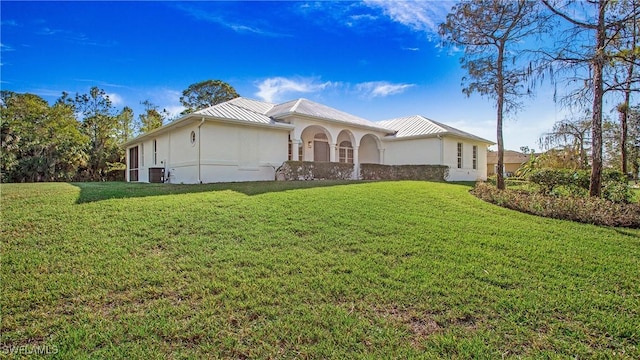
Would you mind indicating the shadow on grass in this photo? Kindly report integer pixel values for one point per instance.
(97, 191)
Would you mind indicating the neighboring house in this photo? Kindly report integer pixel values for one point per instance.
(512, 162)
(247, 140)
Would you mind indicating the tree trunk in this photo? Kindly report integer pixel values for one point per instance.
(500, 93)
(598, 93)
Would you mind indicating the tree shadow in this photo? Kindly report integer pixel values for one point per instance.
(98, 191)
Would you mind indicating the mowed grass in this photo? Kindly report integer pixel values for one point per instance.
(308, 270)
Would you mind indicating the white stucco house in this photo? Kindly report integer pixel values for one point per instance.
(247, 140)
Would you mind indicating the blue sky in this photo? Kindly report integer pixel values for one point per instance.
(374, 59)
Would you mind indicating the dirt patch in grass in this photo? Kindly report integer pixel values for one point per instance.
(420, 324)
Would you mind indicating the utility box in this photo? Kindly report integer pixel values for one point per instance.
(156, 175)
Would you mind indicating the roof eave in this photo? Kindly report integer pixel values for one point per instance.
(283, 116)
(160, 130)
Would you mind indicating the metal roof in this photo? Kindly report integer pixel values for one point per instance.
(316, 110)
(240, 109)
(417, 126)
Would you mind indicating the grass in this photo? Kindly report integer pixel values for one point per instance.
(308, 270)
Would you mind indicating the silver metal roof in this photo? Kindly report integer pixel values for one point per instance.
(240, 109)
(314, 109)
(417, 125)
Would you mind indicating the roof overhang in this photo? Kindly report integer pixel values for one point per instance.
(437, 136)
(289, 114)
(191, 118)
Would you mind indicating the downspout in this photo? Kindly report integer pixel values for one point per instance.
(441, 149)
(199, 126)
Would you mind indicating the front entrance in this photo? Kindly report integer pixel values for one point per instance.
(133, 164)
(320, 148)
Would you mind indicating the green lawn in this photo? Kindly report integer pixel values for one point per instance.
(308, 270)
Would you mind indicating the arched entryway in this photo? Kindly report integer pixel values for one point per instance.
(369, 150)
(316, 141)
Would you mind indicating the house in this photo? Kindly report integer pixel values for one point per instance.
(247, 140)
(512, 162)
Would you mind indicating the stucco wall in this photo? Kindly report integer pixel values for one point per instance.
(467, 172)
(412, 152)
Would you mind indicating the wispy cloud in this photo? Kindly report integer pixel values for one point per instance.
(422, 16)
(115, 99)
(373, 89)
(411, 48)
(8, 22)
(94, 82)
(277, 88)
(75, 37)
(5, 47)
(272, 89)
(203, 15)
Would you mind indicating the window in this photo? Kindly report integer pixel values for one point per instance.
(193, 137)
(345, 151)
(155, 151)
(459, 155)
(133, 164)
(475, 157)
(142, 153)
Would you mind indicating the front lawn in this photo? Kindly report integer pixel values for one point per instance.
(307, 270)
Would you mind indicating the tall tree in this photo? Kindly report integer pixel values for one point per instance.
(125, 127)
(206, 93)
(572, 136)
(491, 33)
(39, 142)
(151, 118)
(593, 29)
(100, 124)
(626, 52)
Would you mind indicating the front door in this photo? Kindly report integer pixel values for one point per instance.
(133, 164)
(320, 151)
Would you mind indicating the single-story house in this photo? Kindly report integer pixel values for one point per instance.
(512, 162)
(247, 140)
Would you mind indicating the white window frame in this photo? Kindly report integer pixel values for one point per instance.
(345, 152)
(475, 157)
(460, 152)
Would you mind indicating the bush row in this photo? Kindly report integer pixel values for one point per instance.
(582, 209)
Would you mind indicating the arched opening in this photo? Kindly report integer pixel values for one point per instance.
(368, 152)
(320, 147)
(316, 142)
(345, 152)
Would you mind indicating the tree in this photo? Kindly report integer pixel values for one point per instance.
(39, 142)
(573, 137)
(491, 32)
(627, 51)
(151, 118)
(125, 128)
(593, 31)
(613, 148)
(206, 93)
(100, 125)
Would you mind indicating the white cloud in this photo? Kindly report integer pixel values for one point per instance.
(116, 100)
(215, 18)
(417, 15)
(380, 88)
(5, 47)
(272, 89)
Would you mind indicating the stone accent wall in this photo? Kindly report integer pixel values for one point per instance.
(310, 170)
(403, 172)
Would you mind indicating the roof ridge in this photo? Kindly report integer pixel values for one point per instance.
(233, 103)
(295, 107)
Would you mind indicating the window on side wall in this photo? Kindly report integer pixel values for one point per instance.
(475, 157)
(459, 155)
(155, 152)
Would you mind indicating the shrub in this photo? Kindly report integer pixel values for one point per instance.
(582, 209)
(576, 183)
